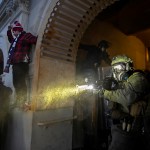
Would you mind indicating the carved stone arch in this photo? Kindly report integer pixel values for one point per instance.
(63, 31)
(66, 26)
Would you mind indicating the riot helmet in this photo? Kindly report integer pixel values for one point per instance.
(103, 45)
(122, 66)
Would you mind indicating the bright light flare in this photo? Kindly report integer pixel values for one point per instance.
(90, 87)
(84, 87)
(57, 96)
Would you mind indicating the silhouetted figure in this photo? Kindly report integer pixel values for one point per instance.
(88, 69)
(5, 93)
(95, 55)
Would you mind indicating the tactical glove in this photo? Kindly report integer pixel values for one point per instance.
(109, 83)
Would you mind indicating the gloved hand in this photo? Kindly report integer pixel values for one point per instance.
(109, 83)
(101, 93)
(6, 69)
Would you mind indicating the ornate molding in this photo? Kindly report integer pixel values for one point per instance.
(22, 3)
(9, 7)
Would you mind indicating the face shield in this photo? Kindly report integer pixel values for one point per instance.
(119, 71)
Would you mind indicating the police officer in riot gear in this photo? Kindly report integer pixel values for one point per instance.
(128, 97)
(95, 54)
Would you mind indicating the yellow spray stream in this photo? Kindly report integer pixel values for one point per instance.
(58, 95)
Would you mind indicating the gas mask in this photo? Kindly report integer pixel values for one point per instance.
(120, 71)
(122, 67)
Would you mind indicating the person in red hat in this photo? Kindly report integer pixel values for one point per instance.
(18, 57)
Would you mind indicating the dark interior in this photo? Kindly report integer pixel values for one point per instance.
(132, 17)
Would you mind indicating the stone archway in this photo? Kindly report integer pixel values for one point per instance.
(59, 38)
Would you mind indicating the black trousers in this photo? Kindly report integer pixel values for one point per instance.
(20, 72)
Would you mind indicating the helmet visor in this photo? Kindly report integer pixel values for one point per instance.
(118, 67)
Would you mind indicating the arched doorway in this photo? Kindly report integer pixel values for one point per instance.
(61, 36)
(58, 42)
(59, 39)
